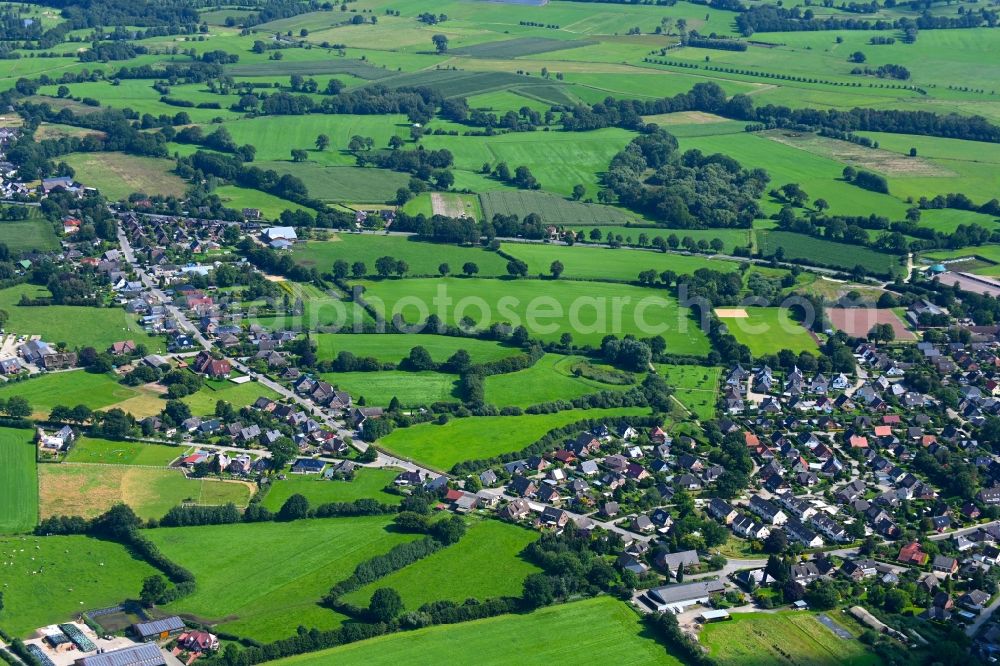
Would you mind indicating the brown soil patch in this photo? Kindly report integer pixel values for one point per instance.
(731, 313)
(685, 118)
(876, 159)
(70, 491)
(858, 321)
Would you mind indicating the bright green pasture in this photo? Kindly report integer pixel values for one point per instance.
(343, 183)
(72, 388)
(551, 378)
(203, 402)
(55, 578)
(595, 263)
(697, 387)
(23, 235)
(368, 483)
(770, 330)
(320, 309)
(238, 198)
(117, 175)
(394, 347)
(460, 571)
(139, 95)
(18, 481)
(76, 326)
(827, 253)
(586, 310)
(601, 630)
(422, 258)
(105, 451)
(441, 446)
(411, 388)
(292, 566)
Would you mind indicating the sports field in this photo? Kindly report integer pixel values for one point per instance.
(422, 258)
(441, 446)
(55, 578)
(394, 347)
(551, 378)
(368, 483)
(458, 572)
(18, 481)
(80, 489)
(601, 630)
(769, 330)
(77, 387)
(273, 581)
(790, 637)
(586, 310)
(411, 388)
(93, 450)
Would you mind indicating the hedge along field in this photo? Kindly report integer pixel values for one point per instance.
(368, 483)
(74, 325)
(394, 347)
(411, 388)
(486, 563)
(732, 238)
(273, 581)
(18, 481)
(476, 437)
(343, 183)
(769, 330)
(586, 310)
(598, 263)
(601, 630)
(552, 209)
(54, 578)
(829, 253)
(551, 378)
(422, 257)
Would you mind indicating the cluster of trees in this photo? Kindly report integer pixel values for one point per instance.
(521, 177)
(866, 179)
(771, 18)
(524, 119)
(887, 71)
(574, 565)
(713, 42)
(421, 163)
(417, 103)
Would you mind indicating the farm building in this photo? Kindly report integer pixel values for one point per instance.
(146, 654)
(676, 598)
(158, 629)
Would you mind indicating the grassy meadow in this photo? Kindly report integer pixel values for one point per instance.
(769, 330)
(18, 481)
(551, 378)
(72, 388)
(423, 258)
(368, 483)
(108, 452)
(411, 388)
(394, 347)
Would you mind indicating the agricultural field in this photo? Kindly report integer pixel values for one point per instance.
(394, 347)
(94, 450)
(829, 253)
(475, 437)
(857, 322)
(450, 575)
(368, 483)
(551, 378)
(203, 402)
(697, 387)
(55, 578)
(76, 387)
(76, 326)
(586, 310)
(25, 235)
(413, 389)
(343, 183)
(269, 205)
(423, 258)
(599, 630)
(320, 310)
(88, 490)
(302, 560)
(595, 263)
(18, 481)
(552, 209)
(789, 637)
(118, 175)
(768, 331)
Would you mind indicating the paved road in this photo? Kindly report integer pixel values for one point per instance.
(987, 613)
(960, 532)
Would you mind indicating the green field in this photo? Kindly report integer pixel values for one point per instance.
(697, 387)
(203, 402)
(368, 483)
(587, 310)
(755, 639)
(320, 309)
(552, 209)
(394, 347)
(769, 330)
(92, 450)
(596, 631)
(593, 263)
(24, 235)
(441, 446)
(413, 389)
(77, 387)
(343, 183)
(423, 258)
(81, 489)
(551, 378)
(273, 581)
(827, 253)
(76, 326)
(118, 175)
(486, 563)
(54, 579)
(269, 205)
(18, 481)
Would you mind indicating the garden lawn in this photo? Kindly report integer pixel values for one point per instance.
(769, 330)
(76, 326)
(422, 257)
(476, 437)
(18, 481)
(697, 387)
(93, 450)
(54, 578)
(77, 387)
(82, 489)
(368, 483)
(601, 630)
(203, 402)
(551, 378)
(263, 580)
(756, 639)
(460, 571)
(411, 388)
(587, 310)
(394, 347)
